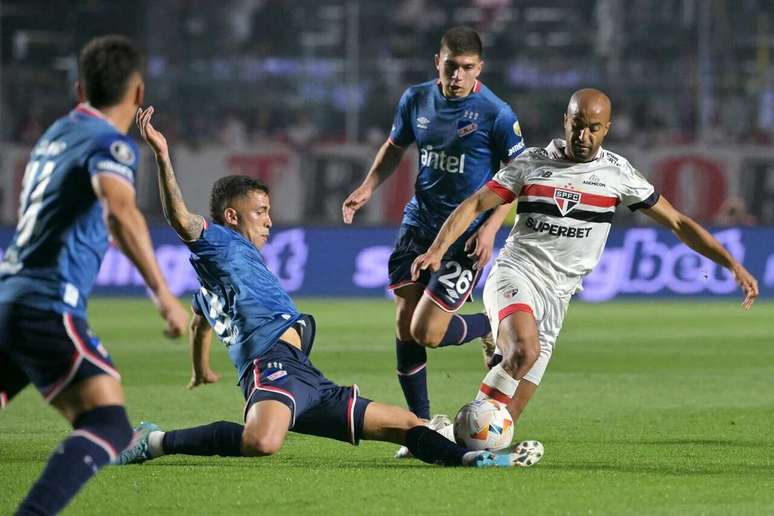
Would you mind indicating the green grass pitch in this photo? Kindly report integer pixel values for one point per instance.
(647, 408)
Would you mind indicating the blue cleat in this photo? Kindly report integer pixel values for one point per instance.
(524, 454)
(138, 451)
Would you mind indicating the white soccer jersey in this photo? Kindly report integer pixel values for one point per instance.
(565, 209)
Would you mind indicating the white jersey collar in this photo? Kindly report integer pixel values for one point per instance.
(556, 149)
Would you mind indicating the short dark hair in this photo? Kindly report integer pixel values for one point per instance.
(228, 188)
(105, 66)
(462, 40)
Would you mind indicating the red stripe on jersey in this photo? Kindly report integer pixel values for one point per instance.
(494, 393)
(516, 307)
(501, 191)
(600, 201)
(477, 87)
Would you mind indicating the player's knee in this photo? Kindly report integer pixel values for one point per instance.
(425, 336)
(522, 354)
(261, 445)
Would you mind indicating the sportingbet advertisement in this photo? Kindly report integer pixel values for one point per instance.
(637, 263)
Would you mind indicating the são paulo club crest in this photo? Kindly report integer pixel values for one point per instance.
(566, 200)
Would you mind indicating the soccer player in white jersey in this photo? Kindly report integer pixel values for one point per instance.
(567, 194)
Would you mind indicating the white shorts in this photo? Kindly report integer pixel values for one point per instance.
(509, 288)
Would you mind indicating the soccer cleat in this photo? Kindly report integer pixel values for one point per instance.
(524, 454)
(488, 347)
(437, 423)
(138, 451)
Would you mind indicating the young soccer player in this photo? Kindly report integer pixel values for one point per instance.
(78, 187)
(462, 132)
(266, 337)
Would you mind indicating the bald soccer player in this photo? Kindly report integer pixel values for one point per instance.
(567, 193)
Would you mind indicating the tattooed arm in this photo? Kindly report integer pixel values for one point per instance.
(187, 225)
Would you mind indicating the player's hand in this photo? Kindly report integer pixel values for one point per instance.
(155, 139)
(208, 376)
(429, 260)
(355, 201)
(172, 311)
(748, 283)
(480, 247)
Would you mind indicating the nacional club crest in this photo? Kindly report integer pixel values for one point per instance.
(566, 200)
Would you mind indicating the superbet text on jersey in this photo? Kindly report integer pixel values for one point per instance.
(565, 209)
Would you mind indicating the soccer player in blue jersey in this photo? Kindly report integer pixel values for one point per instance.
(463, 133)
(268, 341)
(78, 188)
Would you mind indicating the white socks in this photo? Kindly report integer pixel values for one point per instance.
(154, 444)
(497, 385)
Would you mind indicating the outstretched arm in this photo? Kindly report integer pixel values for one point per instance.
(187, 225)
(455, 225)
(386, 161)
(201, 339)
(701, 241)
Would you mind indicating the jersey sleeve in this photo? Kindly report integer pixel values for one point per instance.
(508, 181)
(507, 140)
(636, 191)
(114, 154)
(213, 244)
(402, 133)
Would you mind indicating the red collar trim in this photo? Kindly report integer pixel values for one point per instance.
(87, 109)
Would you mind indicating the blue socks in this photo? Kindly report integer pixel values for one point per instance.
(431, 447)
(412, 375)
(99, 436)
(222, 438)
(464, 328)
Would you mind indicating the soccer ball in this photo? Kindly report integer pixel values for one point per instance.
(483, 425)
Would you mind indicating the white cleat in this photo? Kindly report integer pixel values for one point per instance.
(526, 453)
(441, 423)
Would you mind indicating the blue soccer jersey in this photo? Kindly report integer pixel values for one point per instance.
(240, 298)
(55, 255)
(461, 143)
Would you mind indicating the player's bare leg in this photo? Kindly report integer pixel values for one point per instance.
(266, 427)
(518, 340)
(406, 301)
(101, 429)
(429, 323)
(388, 423)
(93, 392)
(518, 403)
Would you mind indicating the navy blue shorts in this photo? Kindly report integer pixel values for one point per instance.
(49, 349)
(449, 287)
(317, 405)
